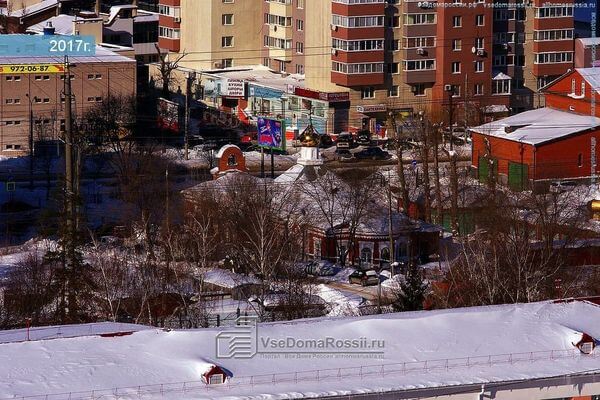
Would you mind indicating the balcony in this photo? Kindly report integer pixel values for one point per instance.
(350, 80)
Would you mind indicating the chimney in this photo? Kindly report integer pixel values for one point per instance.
(49, 29)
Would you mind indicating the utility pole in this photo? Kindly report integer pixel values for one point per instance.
(188, 88)
(451, 112)
(391, 224)
(453, 169)
(399, 155)
(69, 240)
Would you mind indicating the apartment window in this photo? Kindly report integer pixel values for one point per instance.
(393, 91)
(299, 47)
(170, 33)
(393, 22)
(13, 78)
(418, 89)
(419, 19)
(501, 86)
(554, 58)
(299, 69)
(457, 21)
(267, 62)
(299, 3)
(419, 65)
(299, 25)
(227, 63)
(479, 43)
(227, 41)
(420, 41)
(479, 20)
(227, 19)
(367, 92)
(456, 67)
(553, 34)
(392, 68)
(456, 44)
(228, 1)
(38, 77)
(360, 68)
(358, 22)
(554, 12)
(394, 45)
(357, 45)
(499, 60)
(580, 160)
(479, 66)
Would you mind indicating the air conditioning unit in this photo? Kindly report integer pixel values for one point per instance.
(448, 88)
(334, 27)
(420, 51)
(473, 49)
(178, 19)
(334, 52)
(480, 52)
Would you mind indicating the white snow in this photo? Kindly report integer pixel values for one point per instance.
(539, 336)
(227, 279)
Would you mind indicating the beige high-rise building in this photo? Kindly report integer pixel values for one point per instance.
(225, 33)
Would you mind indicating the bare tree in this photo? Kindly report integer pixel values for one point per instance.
(166, 68)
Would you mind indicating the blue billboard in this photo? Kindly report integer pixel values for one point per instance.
(271, 133)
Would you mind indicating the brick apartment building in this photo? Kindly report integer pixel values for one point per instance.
(39, 96)
(389, 55)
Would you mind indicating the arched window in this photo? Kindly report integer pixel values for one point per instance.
(366, 255)
(385, 254)
(232, 161)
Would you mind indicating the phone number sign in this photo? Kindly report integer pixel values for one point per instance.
(31, 69)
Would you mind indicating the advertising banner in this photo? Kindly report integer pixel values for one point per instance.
(271, 133)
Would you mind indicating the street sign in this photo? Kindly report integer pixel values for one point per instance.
(32, 68)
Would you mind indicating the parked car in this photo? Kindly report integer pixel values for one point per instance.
(372, 153)
(325, 141)
(363, 137)
(320, 268)
(364, 278)
(343, 155)
(345, 141)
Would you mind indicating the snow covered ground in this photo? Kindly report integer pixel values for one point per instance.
(475, 345)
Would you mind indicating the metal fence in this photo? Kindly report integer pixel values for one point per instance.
(359, 372)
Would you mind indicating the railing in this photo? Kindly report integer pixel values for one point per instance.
(361, 372)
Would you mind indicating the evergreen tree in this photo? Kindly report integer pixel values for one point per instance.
(412, 290)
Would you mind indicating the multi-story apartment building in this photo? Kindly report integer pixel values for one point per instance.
(390, 55)
(226, 33)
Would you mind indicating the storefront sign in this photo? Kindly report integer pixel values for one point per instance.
(32, 68)
(371, 109)
(264, 92)
(233, 88)
(335, 97)
(311, 94)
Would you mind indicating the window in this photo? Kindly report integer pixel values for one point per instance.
(554, 12)
(299, 47)
(518, 83)
(216, 379)
(361, 68)
(394, 45)
(479, 20)
(367, 92)
(456, 67)
(419, 41)
(357, 22)
(299, 69)
(457, 21)
(227, 19)
(553, 34)
(299, 3)
(478, 89)
(554, 58)
(228, 1)
(227, 41)
(385, 254)
(499, 60)
(227, 63)
(580, 160)
(418, 65)
(479, 43)
(419, 19)
(456, 44)
(299, 25)
(392, 68)
(357, 45)
(501, 86)
(393, 91)
(479, 66)
(419, 89)
(366, 255)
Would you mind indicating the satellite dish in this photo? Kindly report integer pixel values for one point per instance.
(473, 49)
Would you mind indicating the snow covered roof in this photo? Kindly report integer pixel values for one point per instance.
(538, 338)
(500, 76)
(227, 279)
(63, 25)
(103, 55)
(591, 76)
(224, 148)
(262, 75)
(589, 41)
(34, 9)
(538, 126)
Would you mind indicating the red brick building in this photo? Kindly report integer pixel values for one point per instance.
(536, 147)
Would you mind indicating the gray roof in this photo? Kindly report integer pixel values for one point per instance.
(103, 55)
(538, 126)
(589, 41)
(592, 76)
(63, 25)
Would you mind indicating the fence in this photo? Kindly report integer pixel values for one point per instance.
(360, 372)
